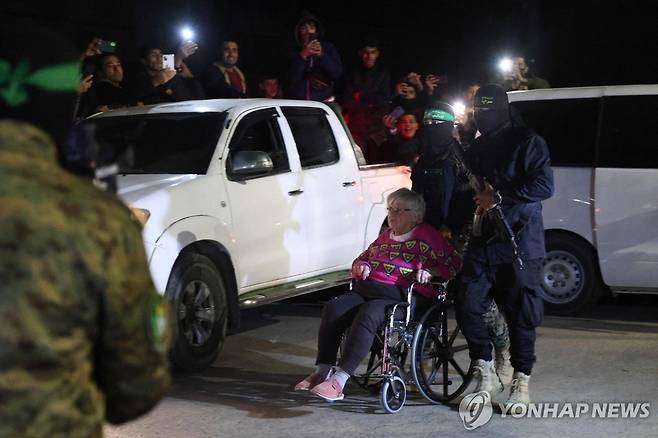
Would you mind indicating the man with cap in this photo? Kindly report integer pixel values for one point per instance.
(83, 333)
(515, 164)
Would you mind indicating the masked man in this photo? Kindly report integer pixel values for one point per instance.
(442, 182)
(515, 164)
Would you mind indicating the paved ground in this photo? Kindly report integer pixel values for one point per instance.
(609, 355)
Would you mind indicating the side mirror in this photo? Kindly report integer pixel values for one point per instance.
(251, 163)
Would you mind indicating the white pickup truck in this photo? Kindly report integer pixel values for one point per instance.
(245, 202)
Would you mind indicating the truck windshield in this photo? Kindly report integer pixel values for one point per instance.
(174, 143)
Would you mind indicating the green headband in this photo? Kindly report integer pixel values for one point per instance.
(438, 114)
(58, 78)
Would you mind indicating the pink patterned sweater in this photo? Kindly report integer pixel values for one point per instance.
(395, 262)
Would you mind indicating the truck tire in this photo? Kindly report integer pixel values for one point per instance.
(569, 278)
(197, 294)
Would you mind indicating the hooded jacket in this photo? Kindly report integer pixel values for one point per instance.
(304, 76)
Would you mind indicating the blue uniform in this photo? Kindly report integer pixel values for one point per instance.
(516, 162)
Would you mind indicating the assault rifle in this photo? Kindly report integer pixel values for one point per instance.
(495, 213)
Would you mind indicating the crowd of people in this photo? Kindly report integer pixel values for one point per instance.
(382, 114)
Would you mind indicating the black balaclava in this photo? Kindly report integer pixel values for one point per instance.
(491, 108)
(39, 77)
(438, 128)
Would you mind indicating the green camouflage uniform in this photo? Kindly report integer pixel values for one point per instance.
(83, 334)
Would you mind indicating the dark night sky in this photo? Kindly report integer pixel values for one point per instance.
(573, 43)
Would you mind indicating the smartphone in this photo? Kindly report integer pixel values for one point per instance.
(396, 113)
(312, 36)
(168, 62)
(89, 68)
(106, 46)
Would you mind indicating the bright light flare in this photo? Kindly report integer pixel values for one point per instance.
(459, 108)
(187, 34)
(506, 64)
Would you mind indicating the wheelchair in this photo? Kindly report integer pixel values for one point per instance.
(439, 365)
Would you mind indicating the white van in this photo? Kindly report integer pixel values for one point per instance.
(602, 223)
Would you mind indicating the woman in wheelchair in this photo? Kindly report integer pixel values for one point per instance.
(410, 251)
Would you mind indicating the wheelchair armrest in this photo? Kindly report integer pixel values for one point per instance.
(389, 309)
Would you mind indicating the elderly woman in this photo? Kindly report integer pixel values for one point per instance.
(409, 251)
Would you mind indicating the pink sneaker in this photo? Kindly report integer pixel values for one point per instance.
(329, 390)
(309, 382)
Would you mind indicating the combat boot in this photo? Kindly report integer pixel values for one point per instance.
(485, 377)
(519, 395)
(504, 367)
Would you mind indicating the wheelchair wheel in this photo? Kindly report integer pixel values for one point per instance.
(440, 364)
(393, 394)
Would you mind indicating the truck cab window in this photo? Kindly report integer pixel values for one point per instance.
(313, 135)
(259, 131)
(177, 143)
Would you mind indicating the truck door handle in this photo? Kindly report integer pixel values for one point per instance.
(296, 192)
(349, 184)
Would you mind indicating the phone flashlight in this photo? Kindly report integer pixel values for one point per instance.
(187, 34)
(459, 108)
(505, 65)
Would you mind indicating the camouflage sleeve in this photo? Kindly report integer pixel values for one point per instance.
(132, 358)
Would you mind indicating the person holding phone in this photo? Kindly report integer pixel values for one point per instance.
(519, 77)
(159, 83)
(401, 147)
(315, 67)
(406, 94)
(108, 89)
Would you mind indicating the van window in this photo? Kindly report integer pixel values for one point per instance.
(628, 132)
(567, 125)
(315, 140)
(259, 131)
(175, 143)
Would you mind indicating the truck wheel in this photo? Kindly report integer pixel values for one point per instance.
(197, 294)
(569, 278)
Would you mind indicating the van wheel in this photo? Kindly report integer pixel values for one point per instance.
(569, 278)
(197, 294)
